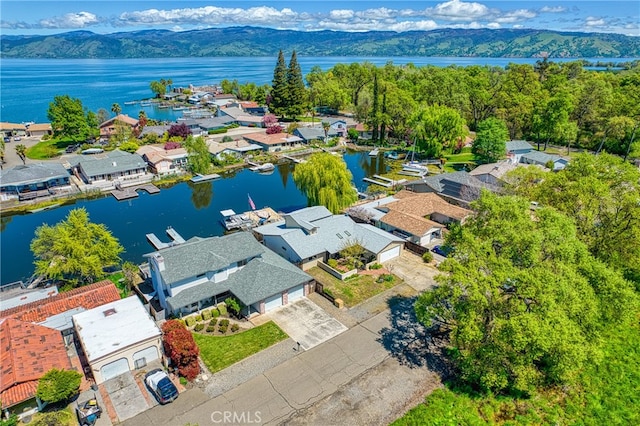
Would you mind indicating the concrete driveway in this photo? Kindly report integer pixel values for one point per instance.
(127, 397)
(412, 269)
(306, 323)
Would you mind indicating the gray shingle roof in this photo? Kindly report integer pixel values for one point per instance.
(112, 162)
(200, 255)
(538, 157)
(260, 278)
(313, 133)
(518, 146)
(214, 123)
(32, 173)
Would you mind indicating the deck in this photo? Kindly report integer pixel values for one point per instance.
(132, 192)
(383, 181)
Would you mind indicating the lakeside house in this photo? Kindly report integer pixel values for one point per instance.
(459, 188)
(240, 117)
(111, 168)
(313, 234)
(276, 142)
(418, 218)
(314, 134)
(30, 181)
(236, 148)
(162, 161)
(203, 272)
(110, 127)
(493, 173)
(12, 129)
(39, 129)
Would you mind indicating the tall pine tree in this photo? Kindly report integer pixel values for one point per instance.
(279, 88)
(297, 95)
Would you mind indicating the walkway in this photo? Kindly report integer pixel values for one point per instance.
(369, 374)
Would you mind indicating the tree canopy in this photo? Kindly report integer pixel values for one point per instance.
(326, 181)
(491, 140)
(522, 299)
(199, 156)
(278, 95)
(58, 385)
(68, 119)
(436, 128)
(75, 250)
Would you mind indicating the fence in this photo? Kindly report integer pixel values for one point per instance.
(415, 248)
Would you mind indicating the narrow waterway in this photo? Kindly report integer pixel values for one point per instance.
(191, 209)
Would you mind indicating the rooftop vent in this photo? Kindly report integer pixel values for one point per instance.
(109, 312)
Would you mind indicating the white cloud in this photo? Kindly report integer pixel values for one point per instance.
(70, 20)
(341, 15)
(456, 10)
(516, 16)
(592, 21)
(553, 9)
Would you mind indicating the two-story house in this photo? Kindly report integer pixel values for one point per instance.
(202, 272)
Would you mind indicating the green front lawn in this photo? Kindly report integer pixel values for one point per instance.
(220, 352)
(47, 149)
(353, 290)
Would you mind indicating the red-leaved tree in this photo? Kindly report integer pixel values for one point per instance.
(181, 348)
(181, 130)
(172, 145)
(270, 121)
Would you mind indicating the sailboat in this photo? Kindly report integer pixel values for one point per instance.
(374, 152)
(415, 166)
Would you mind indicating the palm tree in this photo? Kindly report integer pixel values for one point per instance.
(21, 150)
(326, 126)
(116, 109)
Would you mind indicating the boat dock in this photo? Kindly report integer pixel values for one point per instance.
(294, 159)
(132, 192)
(383, 181)
(176, 239)
(203, 178)
(250, 219)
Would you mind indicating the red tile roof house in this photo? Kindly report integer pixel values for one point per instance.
(109, 127)
(274, 143)
(27, 352)
(56, 311)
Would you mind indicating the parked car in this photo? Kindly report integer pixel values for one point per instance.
(17, 138)
(7, 139)
(161, 386)
(441, 250)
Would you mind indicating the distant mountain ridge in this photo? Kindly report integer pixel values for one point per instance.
(257, 41)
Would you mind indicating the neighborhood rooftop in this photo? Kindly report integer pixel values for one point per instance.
(33, 173)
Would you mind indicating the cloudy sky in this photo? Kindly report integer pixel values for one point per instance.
(55, 16)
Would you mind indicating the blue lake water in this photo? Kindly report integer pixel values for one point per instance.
(191, 209)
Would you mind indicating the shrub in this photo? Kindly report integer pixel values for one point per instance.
(222, 309)
(58, 385)
(198, 318)
(388, 278)
(222, 329)
(216, 131)
(181, 348)
(233, 305)
(427, 256)
(211, 328)
(198, 327)
(235, 327)
(183, 381)
(189, 321)
(375, 266)
(333, 263)
(213, 321)
(215, 313)
(224, 322)
(206, 315)
(227, 138)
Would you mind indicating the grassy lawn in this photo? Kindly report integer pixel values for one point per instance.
(606, 395)
(220, 352)
(354, 290)
(47, 149)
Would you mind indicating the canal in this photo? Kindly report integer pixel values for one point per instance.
(191, 209)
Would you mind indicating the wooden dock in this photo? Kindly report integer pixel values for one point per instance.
(383, 181)
(132, 192)
(176, 239)
(294, 159)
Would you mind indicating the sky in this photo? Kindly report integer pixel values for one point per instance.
(56, 16)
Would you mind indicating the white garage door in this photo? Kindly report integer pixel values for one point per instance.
(115, 368)
(272, 302)
(390, 254)
(296, 293)
(145, 356)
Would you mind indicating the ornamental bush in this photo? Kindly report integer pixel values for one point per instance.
(206, 315)
(189, 321)
(198, 327)
(181, 348)
(58, 385)
(235, 327)
(215, 313)
(223, 310)
(222, 329)
(211, 328)
(224, 322)
(427, 257)
(213, 321)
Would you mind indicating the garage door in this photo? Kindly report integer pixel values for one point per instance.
(296, 293)
(115, 368)
(145, 356)
(272, 302)
(390, 254)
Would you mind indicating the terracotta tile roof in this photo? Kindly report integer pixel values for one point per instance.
(412, 224)
(88, 297)
(264, 139)
(422, 204)
(27, 352)
(39, 127)
(12, 126)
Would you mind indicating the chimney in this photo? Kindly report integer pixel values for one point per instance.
(159, 261)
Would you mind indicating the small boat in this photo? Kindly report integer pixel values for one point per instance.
(374, 152)
(392, 155)
(131, 102)
(179, 108)
(262, 168)
(93, 151)
(163, 106)
(231, 220)
(145, 103)
(415, 166)
(203, 178)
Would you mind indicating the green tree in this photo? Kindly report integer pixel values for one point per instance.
(521, 299)
(67, 118)
(116, 109)
(2, 148)
(21, 150)
(490, 142)
(296, 91)
(159, 88)
(279, 88)
(75, 250)
(129, 146)
(325, 180)
(102, 115)
(58, 385)
(199, 156)
(436, 128)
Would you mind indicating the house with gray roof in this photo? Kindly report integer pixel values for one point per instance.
(203, 272)
(516, 148)
(458, 188)
(493, 173)
(543, 159)
(111, 166)
(314, 134)
(307, 236)
(24, 181)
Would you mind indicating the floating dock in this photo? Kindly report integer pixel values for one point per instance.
(176, 239)
(383, 181)
(132, 192)
(203, 178)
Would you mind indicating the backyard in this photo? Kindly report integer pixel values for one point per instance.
(356, 289)
(219, 352)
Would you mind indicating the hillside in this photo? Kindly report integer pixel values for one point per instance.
(253, 41)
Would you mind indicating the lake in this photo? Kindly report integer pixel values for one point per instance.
(27, 86)
(191, 209)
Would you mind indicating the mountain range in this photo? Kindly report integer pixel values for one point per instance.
(256, 41)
